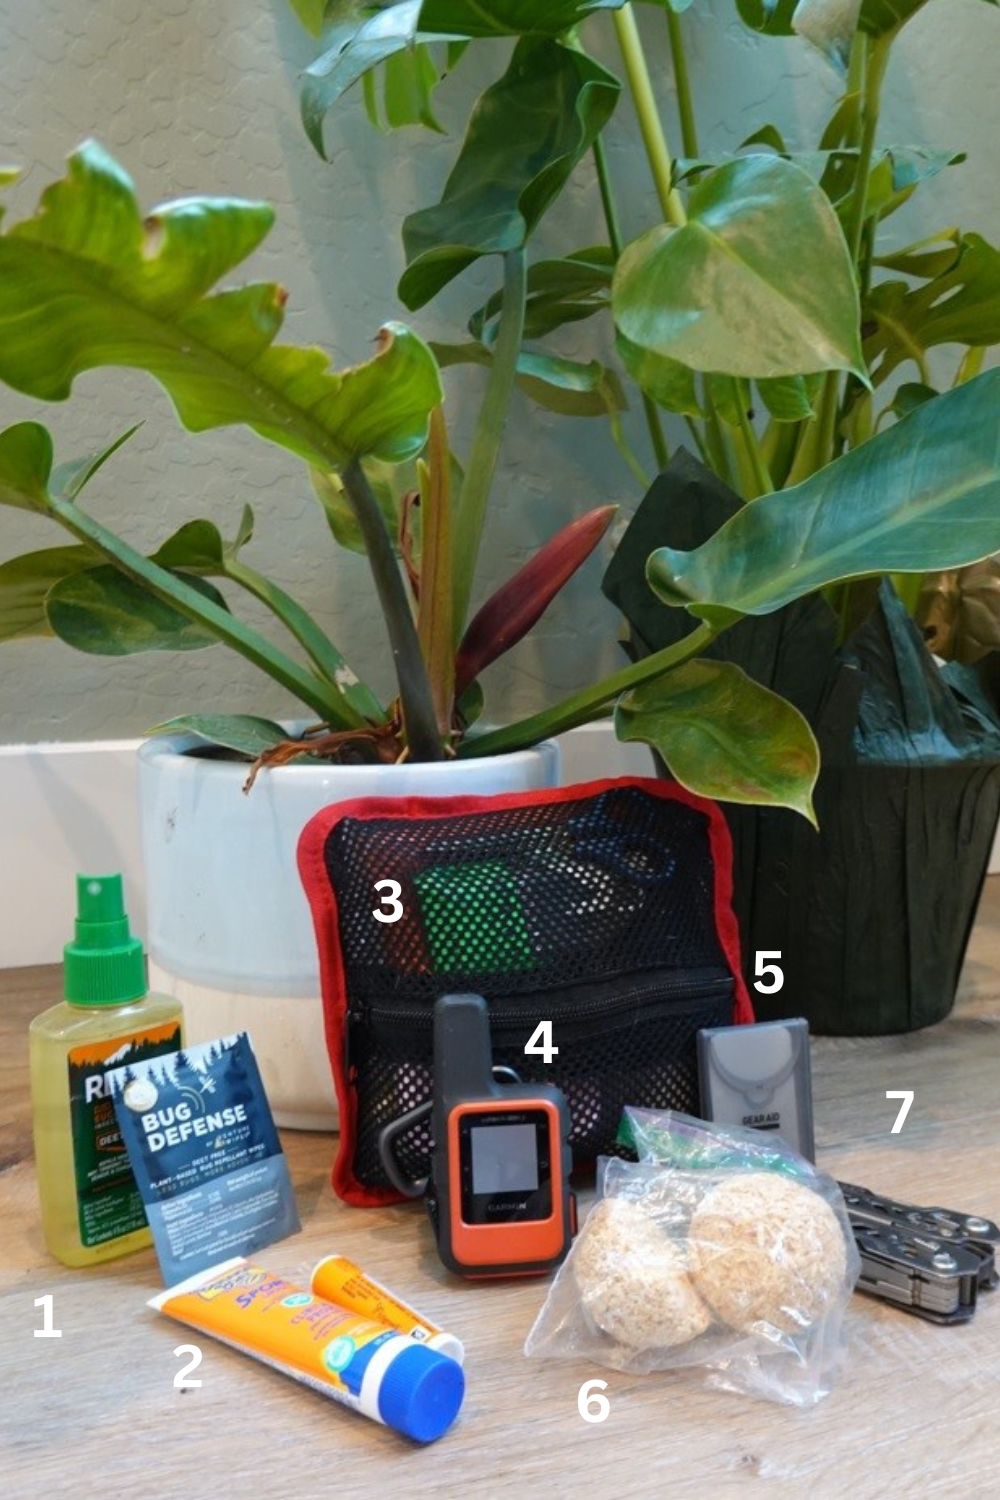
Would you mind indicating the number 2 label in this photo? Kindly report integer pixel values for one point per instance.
(182, 1382)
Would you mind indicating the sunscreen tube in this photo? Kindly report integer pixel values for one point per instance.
(374, 1369)
(338, 1279)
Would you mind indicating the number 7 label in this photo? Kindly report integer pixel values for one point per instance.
(907, 1097)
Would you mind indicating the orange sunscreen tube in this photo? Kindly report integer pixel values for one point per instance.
(363, 1364)
(339, 1280)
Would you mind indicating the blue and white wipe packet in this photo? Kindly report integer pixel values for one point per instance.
(206, 1156)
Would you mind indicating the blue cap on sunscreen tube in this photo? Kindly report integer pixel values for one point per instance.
(421, 1393)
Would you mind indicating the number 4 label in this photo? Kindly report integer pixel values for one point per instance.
(540, 1043)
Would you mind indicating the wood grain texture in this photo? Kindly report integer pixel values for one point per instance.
(95, 1412)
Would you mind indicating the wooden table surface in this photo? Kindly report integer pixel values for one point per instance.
(95, 1412)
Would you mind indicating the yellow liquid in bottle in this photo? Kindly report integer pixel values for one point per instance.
(96, 1033)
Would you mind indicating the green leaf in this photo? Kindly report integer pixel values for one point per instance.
(409, 80)
(724, 735)
(243, 732)
(485, 18)
(771, 16)
(85, 283)
(104, 613)
(559, 291)
(960, 306)
(669, 383)
(25, 465)
(384, 479)
(758, 282)
(24, 583)
(921, 496)
(791, 399)
(526, 135)
(557, 384)
(311, 13)
(909, 396)
(882, 17)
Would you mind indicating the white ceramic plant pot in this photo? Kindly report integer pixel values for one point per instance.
(229, 928)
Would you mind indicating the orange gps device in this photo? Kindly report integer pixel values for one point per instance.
(498, 1194)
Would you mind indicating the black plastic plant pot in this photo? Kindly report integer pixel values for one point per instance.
(872, 914)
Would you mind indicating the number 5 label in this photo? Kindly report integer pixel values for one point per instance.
(762, 967)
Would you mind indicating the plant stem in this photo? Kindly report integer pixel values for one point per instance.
(416, 699)
(475, 490)
(434, 623)
(682, 79)
(649, 406)
(650, 125)
(588, 704)
(325, 702)
(875, 56)
(758, 468)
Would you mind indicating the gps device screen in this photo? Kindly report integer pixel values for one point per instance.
(506, 1165)
(504, 1159)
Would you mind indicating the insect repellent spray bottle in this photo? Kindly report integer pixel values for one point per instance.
(91, 1207)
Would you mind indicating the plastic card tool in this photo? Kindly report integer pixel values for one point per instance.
(930, 1261)
(759, 1077)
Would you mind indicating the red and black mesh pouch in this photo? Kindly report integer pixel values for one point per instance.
(603, 908)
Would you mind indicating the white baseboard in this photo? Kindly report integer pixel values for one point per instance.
(68, 809)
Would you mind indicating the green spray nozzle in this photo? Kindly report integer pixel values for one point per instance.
(104, 965)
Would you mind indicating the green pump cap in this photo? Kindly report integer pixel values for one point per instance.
(105, 965)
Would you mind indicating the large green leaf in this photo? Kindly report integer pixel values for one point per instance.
(921, 496)
(105, 613)
(959, 306)
(724, 735)
(525, 136)
(758, 282)
(882, 17)
(24, 583)
(86, 282)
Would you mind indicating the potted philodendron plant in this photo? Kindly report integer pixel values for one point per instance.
(87, 281)
(765, 308)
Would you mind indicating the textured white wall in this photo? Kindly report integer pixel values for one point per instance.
(199, 96)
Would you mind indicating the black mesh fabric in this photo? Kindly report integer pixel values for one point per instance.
(596, 914)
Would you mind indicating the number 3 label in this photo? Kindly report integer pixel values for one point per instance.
(391, 900)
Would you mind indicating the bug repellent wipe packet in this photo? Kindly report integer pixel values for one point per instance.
(206, 1156)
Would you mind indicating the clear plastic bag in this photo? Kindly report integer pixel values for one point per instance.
(719, 1249)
